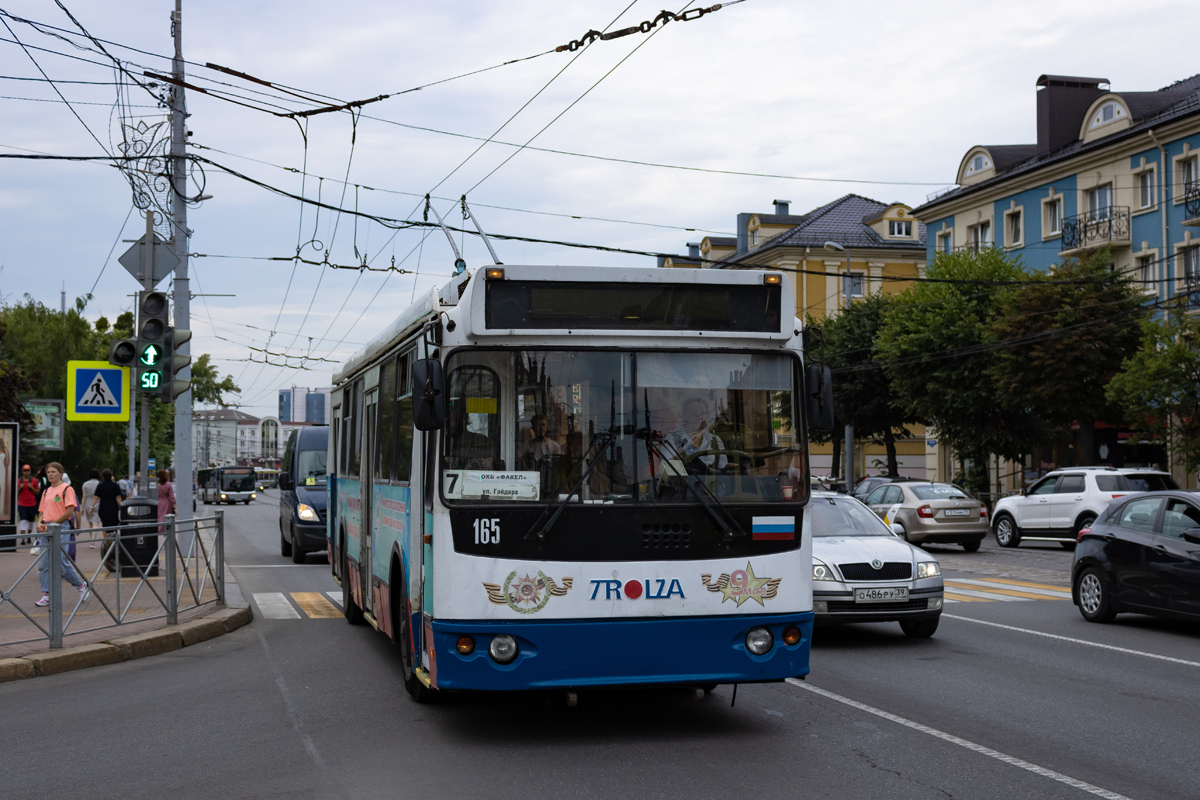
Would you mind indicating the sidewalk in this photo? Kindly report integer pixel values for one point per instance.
(90, 636)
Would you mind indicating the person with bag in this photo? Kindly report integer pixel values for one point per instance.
(107, 502)
(58, 505)
(29, 492)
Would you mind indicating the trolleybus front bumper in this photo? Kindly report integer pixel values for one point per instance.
(595, 652)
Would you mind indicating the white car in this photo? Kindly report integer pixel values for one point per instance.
(863, 572)
(1068, 500)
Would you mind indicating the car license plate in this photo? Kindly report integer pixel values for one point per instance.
(881, 594)
(958, 512)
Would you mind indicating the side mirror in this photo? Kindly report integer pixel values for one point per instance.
(897, 528)
(819, 391)
(1192, 535)
(285, 481)
(429, 394)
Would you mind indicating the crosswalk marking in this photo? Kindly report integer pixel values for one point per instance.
(274, 605)
(316, 606)
(976, 590)
(336, 597)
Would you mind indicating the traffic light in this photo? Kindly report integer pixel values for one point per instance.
(122, 352)
(153, 325)
(172, 363)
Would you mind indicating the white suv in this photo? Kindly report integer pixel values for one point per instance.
(1055, 508)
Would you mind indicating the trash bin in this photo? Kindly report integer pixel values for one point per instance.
(138, 545)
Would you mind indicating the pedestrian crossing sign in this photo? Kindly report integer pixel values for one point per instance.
(97, 392)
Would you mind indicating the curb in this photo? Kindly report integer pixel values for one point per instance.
(125, 648)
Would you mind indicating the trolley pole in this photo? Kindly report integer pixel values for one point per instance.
(183, 404)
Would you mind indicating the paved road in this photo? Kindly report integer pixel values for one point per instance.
(1010, 699)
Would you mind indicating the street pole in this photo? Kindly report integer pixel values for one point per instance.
(148, 284)
(183, 403)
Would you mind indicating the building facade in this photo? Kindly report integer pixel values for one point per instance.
(1110, 170)
(299, 404)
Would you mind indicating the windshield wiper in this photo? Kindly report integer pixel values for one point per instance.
(727, 524)
(545, 521)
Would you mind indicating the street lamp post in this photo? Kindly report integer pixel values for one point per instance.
(834, 247)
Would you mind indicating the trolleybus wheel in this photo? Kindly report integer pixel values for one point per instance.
(418, 690)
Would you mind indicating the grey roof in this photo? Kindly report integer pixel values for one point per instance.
(223, 415)
(842, 221)
(780, 219)
(1007, 156)
(722, 241)
(1146, 110)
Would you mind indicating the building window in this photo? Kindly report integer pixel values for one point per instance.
(1100, 202)
(854, 284)
(1191, 268)
(1014, 229)
(981, 236)
(754, 238)
(1109, 112)
(897, 228)
(945, 241)
(978, 164)
(1145, 272)
(1145, 184)
(1188, 177)
(1052, 217)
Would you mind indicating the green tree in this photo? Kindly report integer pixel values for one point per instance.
(1159, 385)
(938, 354)
(862, 393)
(207, 384)
(1070, 340)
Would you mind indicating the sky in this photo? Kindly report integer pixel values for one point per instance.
(879, 99)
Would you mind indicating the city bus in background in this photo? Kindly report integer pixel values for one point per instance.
(551, 478)
(266, 477)
(226, 485)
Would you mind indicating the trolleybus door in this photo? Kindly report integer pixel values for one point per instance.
(367, 530)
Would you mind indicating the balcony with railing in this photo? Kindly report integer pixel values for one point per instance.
(1191, 205)
(1106, 227)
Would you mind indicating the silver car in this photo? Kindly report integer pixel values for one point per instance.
(931, 513)
(862, 572)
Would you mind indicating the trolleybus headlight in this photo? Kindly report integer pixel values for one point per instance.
(503, 649)
(759, 641)
(791, 635)
(466, 645)
(223, 497)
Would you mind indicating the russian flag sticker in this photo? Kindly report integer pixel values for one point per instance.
(769, 528)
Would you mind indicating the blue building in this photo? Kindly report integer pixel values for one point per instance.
(1115, 170)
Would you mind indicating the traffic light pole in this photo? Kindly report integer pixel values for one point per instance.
(183, 403)
(148, 284)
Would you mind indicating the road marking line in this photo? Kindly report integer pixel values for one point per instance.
(962, 586)
(336, 597)
(1079, 641)
(986, 595)
(1026, 591)
(316, 606)
(1012, 582)
(950, 597)
(273, 605)
(978, 748)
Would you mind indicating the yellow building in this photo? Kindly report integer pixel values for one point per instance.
(846, 249)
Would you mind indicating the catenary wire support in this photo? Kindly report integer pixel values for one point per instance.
(468, 215)
(459, 264)
(645, 27)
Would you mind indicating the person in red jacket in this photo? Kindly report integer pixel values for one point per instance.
(29, 491)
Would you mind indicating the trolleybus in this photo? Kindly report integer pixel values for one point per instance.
(227, 485)
(548, 478)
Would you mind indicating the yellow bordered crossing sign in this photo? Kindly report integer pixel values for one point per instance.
(97, 392)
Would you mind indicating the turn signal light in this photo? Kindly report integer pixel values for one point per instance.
(1082, 532)
(493, 274)
(791, 635)
(465, 646)
(925, 511)
(772, 278)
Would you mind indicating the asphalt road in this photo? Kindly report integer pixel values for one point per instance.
(1017, 699)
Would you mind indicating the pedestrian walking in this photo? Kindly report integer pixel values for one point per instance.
(58, 504)
(29, 492)
(74, 521)
(126, 485)
(166, 496)
(107, 503)
(87, 507)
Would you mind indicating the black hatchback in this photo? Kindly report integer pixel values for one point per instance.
(1142, 556)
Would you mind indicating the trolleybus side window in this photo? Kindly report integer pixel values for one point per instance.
(402, 468)
(472, 434)
(383, 454)
(354, 440)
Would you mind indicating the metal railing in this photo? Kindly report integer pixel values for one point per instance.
(134, 574)
(1096, 228)
(1191, 201)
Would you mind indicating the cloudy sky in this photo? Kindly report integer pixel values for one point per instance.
(881, 99)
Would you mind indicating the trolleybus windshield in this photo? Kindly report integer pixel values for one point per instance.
(609, 427)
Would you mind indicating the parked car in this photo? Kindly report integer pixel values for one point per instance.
(1068, 500)
(863, 572)
(1142, 555)
(868, 485)
(933, 513)
(302, 485)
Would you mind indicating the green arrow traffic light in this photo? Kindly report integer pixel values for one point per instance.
(150, 355)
